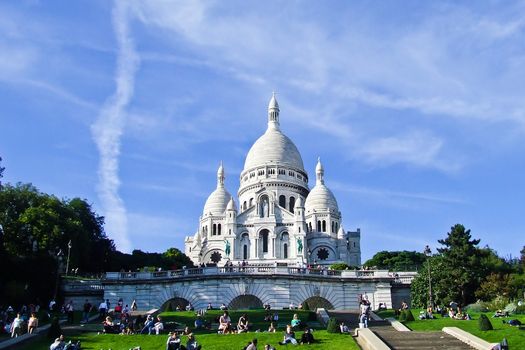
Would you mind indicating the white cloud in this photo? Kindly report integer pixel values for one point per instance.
(108, 128)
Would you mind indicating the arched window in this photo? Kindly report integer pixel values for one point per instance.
(219, 229)
(336, 227)
(318, 225)
(244, 206)
(285, 251)
(333, 226)
(245, 252)
(309, 227)
(264, 241)
(324, 226)
(282, 201)
(251, 203)
(292, 204)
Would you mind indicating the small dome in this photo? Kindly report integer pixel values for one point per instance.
(217, 202)
(274, 148)
(231, 204)
(321, 198)
(218, 199)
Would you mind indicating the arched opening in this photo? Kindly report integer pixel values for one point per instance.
(245, 252)
(245, 244)
(282, 201)
(318, 225)
(309, 227)
(218, 229)
(214, 230)
(285, 251)
(171, 304)
(324, 226)
(244, 302)
(292, 204)
(333, 226)
(263, 237)
(244, 206)
(251, 203)
(318, 302)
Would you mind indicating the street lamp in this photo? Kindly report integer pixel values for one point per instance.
(428, 253)
(68, 254)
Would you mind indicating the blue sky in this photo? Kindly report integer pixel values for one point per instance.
(416, 108)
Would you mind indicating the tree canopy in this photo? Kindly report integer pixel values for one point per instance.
(397, 260)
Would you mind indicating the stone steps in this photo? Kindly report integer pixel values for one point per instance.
(402, 340)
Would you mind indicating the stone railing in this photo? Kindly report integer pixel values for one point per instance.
(82, 286)
(248, 270)
(404, 277)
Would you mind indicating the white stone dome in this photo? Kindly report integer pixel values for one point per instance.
(217, 202)
(321, 198)
(274, 148)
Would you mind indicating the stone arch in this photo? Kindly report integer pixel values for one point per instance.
(212, 255)
(315, 302)
(171, 304)
(245, 301)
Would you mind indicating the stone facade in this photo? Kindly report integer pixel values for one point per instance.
(280, 220)
(275, 286)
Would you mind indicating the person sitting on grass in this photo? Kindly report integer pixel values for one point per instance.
(296, 322)
(271, 329)
(344, 328)
(515, 322)
(289, 336)
(192, 343)
(173, 342)
(109, 326)
(148, 325)
(225, 323)
(58, 344)
(307, 337)
(252, 345)
(268, 347)
(158, 326)
(186, 331)
(242, 325)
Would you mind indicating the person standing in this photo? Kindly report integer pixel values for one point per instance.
(134, 305)
(70, 310)
(85, 311)
(102, 309)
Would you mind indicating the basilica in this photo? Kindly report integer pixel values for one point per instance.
(277, 219)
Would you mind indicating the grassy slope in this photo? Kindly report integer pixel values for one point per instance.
(210, 341)
(514, 335)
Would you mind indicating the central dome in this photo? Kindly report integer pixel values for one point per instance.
(274, 148)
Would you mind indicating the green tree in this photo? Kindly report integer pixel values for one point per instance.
(397, 260)
(494, 285)
(1, 172)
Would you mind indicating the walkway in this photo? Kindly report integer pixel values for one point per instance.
(402, 340)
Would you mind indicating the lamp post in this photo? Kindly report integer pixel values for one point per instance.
(68, 254)
(428, 253)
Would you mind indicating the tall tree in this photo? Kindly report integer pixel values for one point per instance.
(1, 172)
(397, 260)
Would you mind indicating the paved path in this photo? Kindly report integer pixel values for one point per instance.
(402, 340)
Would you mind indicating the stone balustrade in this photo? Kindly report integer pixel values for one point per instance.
(251, 270)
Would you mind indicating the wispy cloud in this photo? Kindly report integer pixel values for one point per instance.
(385, 193)
(108, 128)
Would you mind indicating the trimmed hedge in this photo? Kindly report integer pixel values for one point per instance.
(484, 323)
(332, 326)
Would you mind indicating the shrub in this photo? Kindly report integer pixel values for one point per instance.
(484, 323)
(332, 326)
(511, 308)
(306, 307)
(339, 266)
(402, 316)
(54, 330)
(497, 303)
(476, 307)
(408, 315)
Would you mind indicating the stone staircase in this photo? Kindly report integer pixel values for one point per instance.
(402, 340)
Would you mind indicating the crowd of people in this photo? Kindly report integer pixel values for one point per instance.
(18, 322)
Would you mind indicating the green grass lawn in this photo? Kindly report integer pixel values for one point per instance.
(209, 340)
(514, 335)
